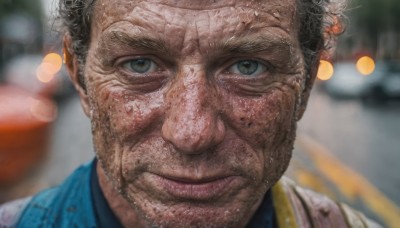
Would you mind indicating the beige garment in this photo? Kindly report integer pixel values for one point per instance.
(299, 207)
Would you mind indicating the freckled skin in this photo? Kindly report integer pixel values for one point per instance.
(192, 117)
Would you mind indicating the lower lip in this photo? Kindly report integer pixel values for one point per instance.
(194, 191)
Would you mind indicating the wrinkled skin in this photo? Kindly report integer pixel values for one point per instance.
(192, 142)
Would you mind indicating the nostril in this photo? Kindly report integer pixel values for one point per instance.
(194, 135)
(184, 142)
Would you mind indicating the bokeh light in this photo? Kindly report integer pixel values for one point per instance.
(365, 65)
(44, 72)
(43, 110)
(49, 67)
(325, 70)
(55, 60)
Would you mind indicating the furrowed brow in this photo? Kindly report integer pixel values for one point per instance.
(135, 41)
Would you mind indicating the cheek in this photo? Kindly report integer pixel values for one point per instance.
(267, 125)
(262, 121)
(118, 119)
(129, 115)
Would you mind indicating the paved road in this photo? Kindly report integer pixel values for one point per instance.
(72, 143)
(351, 151)
(365, 137)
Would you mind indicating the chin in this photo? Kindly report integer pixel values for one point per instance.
(192, 215)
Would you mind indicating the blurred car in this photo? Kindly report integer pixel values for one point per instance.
(386, 85)
(382, 84)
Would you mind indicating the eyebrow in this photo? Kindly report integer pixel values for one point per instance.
(135, 41)
(251, 45)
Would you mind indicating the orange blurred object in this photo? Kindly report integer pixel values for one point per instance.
(49, 67)
(55, 60)
(25, 121)
(325, 70)
(365, 65)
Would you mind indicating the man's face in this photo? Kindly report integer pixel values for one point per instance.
(194, 103)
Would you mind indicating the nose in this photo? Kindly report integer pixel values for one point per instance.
(192, 123)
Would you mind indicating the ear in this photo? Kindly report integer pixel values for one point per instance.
(307, 88)
(74, 73)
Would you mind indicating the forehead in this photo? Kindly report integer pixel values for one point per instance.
(183, 13)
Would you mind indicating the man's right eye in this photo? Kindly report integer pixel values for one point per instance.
(140, 66)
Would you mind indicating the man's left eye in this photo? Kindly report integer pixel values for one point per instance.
(248, 68)
(141, 66)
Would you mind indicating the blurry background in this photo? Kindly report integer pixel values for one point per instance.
(348, 142)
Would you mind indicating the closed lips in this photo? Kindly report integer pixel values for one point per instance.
(194, 189)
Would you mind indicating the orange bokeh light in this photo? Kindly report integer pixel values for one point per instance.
(365, 65)
(325, 70)
(50, 66)
(44, 72)
(55, 60)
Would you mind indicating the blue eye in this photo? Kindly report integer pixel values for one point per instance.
(141, 66)
(248, 68)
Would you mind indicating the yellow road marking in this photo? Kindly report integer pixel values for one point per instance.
(350, 182)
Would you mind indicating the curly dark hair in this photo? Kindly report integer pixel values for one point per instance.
(316, 19)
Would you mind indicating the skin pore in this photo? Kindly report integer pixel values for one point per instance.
(193, 106)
